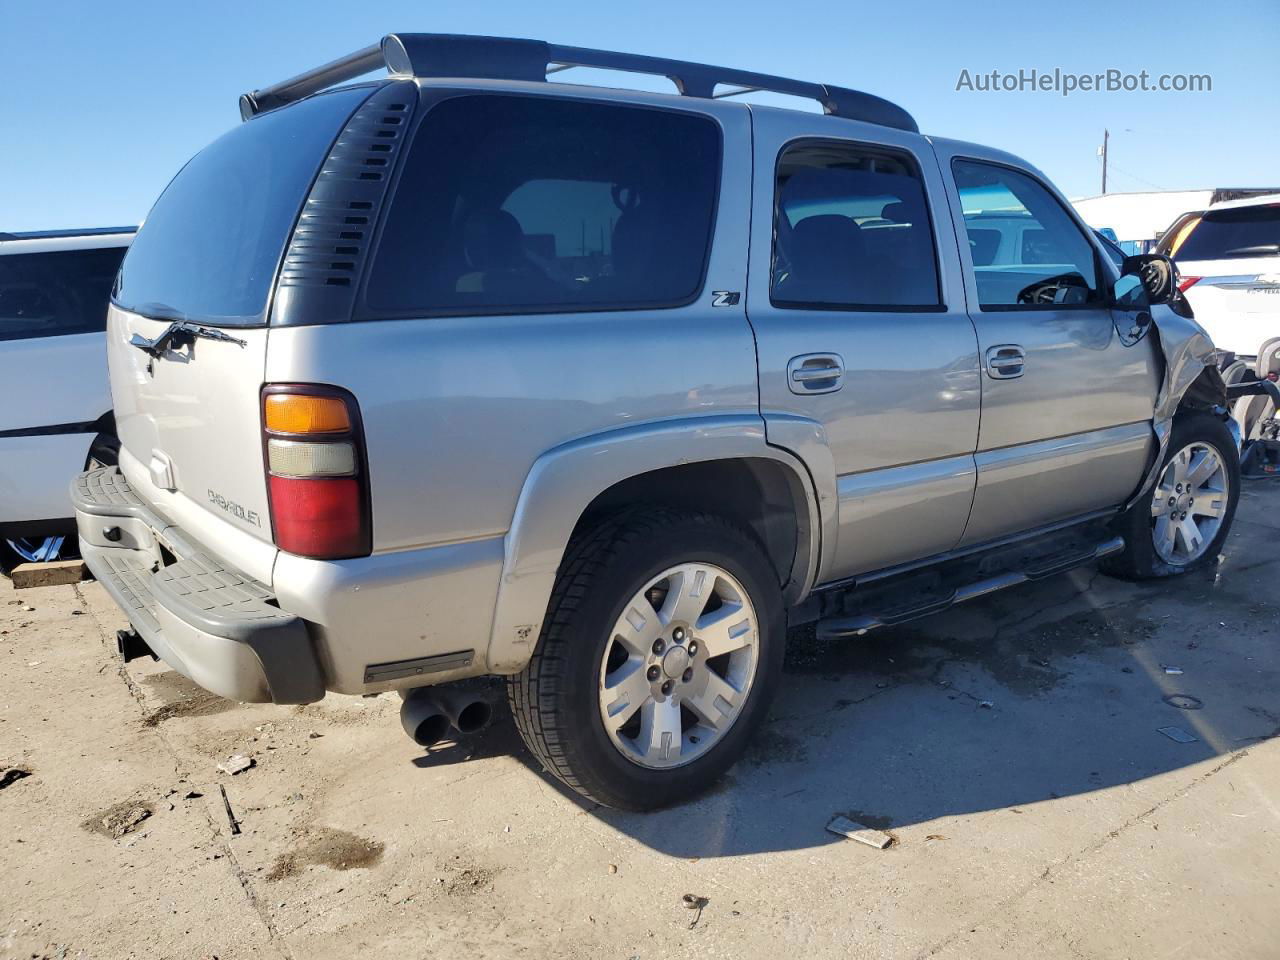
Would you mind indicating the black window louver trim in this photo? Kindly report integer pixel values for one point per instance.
(330, 242)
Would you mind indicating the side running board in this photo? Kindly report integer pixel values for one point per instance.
(913, 604)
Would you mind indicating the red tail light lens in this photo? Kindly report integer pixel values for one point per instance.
(1185, 283)
(317, 480)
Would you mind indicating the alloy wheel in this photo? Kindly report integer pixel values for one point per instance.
(679, 666)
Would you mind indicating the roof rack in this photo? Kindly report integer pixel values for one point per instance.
(414, 55)
(55, 234)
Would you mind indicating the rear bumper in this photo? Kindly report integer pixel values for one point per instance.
(212, 624)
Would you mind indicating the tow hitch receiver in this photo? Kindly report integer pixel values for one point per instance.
(132, 646)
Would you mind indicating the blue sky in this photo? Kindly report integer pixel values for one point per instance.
(101, 102)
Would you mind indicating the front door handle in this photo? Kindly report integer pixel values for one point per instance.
(1006, 361)
(815, 373)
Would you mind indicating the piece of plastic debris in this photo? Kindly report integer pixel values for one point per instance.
(1183, 701)
(935, 836)
(844, 827)
(985, 704)
(613, 868)
(1172, 671)
(314, 735)
(692, 901)
(236, 763)
(1177, 734)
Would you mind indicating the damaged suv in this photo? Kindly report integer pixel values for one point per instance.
(465, 372)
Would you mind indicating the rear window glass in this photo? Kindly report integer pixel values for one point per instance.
(1228, 234)
(210, 246)
(55, 294)
(851, 231)
(522, 204)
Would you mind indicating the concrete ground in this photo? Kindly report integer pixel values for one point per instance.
(1011, 747)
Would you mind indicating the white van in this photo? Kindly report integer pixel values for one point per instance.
(56, 414)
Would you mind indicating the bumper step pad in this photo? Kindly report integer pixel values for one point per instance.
(189, 611)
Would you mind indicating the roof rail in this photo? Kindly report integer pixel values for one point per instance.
(412, 55)
(58, 234)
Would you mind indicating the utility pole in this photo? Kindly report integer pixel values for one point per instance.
(1106, 135)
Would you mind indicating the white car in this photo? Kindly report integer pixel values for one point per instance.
(56, 414)
(1230, 265)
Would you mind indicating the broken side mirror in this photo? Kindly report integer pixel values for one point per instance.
(1157, 274)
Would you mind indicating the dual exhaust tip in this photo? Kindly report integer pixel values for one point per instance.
(429, 713)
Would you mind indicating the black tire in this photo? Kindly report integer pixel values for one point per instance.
(103, 452)
(1139, 560)
(555, 700)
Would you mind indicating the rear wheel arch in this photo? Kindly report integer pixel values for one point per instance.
(585, 479)
(762, 496)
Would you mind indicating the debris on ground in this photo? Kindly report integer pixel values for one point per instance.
(236, 763)
(1172, 671)
(118, 820)
(12, 774)
(692, 901)
(1183, 701)
(1177, 734)
(985, 704)
(54, 573)
(935, 836)
(844, 827)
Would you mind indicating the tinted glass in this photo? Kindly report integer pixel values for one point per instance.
(210, 245)
(851, 230)
(1048, 262)
(53, 294)
(1228, 234)
(515, 204)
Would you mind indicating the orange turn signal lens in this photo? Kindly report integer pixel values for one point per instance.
(299, 413)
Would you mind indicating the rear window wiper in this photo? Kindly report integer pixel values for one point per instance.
(179, 333)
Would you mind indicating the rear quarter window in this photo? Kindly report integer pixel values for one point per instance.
(56, 293)
(1234, 233)
(210, 246)
(525, 204)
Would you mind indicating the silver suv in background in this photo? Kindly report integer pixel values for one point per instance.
(56, 413)
(601, 390)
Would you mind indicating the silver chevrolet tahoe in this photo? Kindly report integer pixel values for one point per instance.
(469, 371)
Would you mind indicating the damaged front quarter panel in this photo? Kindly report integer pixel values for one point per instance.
(1191, 378)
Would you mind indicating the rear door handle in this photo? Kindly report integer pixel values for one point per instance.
(815, 373)
(1006, 361)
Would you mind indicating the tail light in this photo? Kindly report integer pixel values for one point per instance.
(317, 477)
(1185, 283)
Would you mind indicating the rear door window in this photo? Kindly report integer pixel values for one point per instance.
(1053, 263)
(523, 204)
(852, 231)
(1234, 233)
(210, 246)
(56, 293)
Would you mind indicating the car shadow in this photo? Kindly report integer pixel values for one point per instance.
(1048, 690)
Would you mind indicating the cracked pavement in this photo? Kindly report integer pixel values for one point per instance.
(1011, 747)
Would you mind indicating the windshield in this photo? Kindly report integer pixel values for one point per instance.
(209, 248)
(1238, 232)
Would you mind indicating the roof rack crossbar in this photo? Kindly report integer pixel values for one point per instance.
(454, 55)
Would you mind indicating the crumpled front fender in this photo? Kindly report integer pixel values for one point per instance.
(1187, 353)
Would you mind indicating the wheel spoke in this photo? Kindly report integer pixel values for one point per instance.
(660, 733)
(688, 592)
(1208, 507)
(1160, 503)
(639, 626)
(1179, 466)
(724, 630)
(1190, 536)
(1165, 530)
(1203, 468)
(626, 690)
(716, 701)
